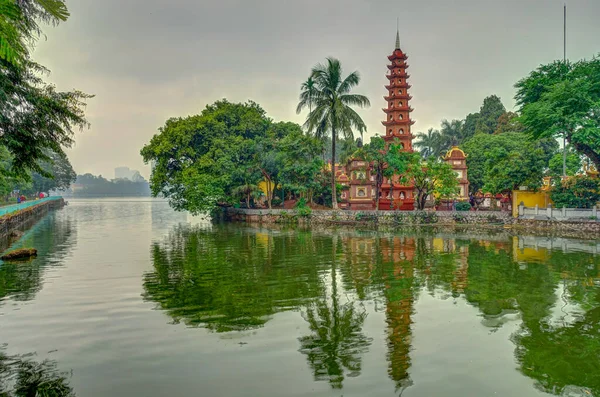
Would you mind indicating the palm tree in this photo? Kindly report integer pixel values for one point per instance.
(330, 110)
(429, 143)
(307, 93)
(451, 134)
(247, 191)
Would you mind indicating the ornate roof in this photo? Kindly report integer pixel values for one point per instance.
(455, 153)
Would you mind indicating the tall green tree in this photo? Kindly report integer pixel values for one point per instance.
(331, 105)
(563, 100)
(429, 143)
(60, 174)
(299, 155)
(489, 113)
(197, 157)
(430, 177)
(35, 118)
(451, 134)
(573, 161)
(506, 161)
(469, 126)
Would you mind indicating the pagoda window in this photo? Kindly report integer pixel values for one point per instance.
(400, 117)
(400, 103)
(402, 196)
(402, 132)
(391, 117)
(390, 131)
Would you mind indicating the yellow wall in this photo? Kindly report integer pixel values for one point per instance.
(262, 185)
(529, 199)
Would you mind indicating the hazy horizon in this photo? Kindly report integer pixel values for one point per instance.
(148, 60)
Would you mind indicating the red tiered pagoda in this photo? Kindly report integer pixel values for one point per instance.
(395, 195)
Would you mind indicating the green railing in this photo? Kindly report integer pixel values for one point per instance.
(9, 209)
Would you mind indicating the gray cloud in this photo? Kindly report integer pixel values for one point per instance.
(147, 60)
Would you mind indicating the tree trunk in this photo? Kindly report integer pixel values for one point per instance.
(248, 200)
(334, 204)
(587, 150)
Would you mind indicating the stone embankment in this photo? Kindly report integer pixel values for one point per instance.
(473, 219)
(13, 220)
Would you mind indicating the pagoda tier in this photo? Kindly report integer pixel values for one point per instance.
(397, 54)
(400, 137)
(397, 96)
(398, 85)
(388, 123)
(399, 75)
(397, 109)
(401, 65)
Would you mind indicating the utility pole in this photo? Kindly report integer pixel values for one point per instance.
(565, 62)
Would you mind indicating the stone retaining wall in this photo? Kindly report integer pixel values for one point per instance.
(371, 217)
(13, 221)
(584, 229)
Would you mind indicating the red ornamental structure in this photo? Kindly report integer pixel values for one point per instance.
(395, 195)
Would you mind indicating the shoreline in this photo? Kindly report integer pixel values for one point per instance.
(443, 220)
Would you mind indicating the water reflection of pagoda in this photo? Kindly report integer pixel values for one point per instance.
(398, 279)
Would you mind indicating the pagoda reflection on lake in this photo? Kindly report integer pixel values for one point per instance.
(230, 279)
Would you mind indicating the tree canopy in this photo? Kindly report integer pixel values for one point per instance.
(506, 161)
(35, 118)
(563, 99)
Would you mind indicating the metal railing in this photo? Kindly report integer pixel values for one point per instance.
(9, 209)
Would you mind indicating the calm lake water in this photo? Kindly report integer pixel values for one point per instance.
(129, 298)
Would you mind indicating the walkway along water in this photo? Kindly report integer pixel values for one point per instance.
(13, 216)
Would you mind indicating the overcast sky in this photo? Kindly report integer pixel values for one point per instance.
(148, 60)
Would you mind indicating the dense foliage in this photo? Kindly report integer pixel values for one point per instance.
(220, 157)
(507, 161)
(563, 100)
(35, 118)
(37, 121)
(430, 177)
(576, 192)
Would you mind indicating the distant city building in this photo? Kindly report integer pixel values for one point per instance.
(123, 173)
(129, 174)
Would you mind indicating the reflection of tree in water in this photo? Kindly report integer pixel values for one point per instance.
(20, 376)
(229, 279)
(52, 238)
(559, 356)
(336, 344)
(562, 356)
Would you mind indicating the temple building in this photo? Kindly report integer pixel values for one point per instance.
(458, 161)
(358, 185)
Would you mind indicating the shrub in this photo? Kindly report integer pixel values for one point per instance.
(302, 208)
(576, 192)
(304, 212)
(463, 206)
(458, 218)
(276, 202)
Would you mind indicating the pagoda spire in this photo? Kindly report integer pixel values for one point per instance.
(397, 39)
